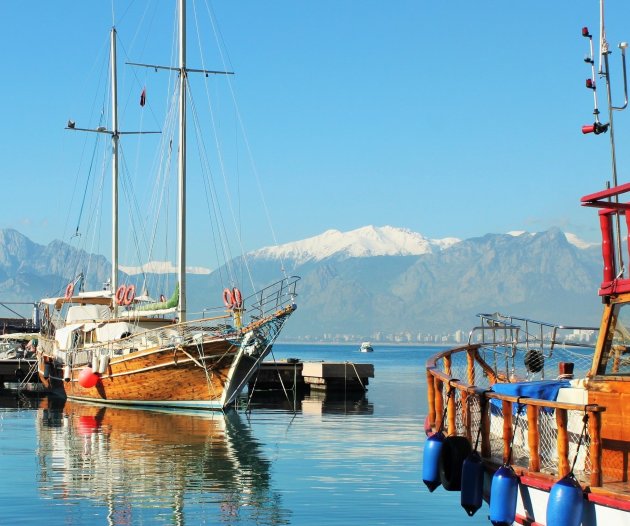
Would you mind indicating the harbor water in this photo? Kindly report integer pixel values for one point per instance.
(340, 460)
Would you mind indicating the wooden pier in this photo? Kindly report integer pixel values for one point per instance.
(317, 376)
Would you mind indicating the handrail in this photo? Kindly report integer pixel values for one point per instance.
(438, 380)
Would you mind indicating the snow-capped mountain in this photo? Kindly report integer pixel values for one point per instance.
(571, 238)
(363, 242)
(161, 267)
(414, 285)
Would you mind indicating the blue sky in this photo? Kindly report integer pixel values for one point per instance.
(449, 118)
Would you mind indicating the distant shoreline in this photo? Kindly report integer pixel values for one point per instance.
(374, 344)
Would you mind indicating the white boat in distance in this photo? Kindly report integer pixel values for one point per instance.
(366, 347)
(120, 347)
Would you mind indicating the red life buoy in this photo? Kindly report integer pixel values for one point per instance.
(130, 294)
(238, 298)
(120, 295)
(228, 298)
(69, 291)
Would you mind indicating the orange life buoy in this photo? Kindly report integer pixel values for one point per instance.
(69, 291)
(228, 298)
(238, 298)
(130, 294)
(120, 295)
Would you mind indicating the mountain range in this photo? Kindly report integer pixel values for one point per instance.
(368, 281)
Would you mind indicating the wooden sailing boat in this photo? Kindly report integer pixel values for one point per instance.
(110, 346)
(544, 409)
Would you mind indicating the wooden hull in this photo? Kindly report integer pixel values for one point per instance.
(177, 377)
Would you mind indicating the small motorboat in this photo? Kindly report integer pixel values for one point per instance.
(366, 347)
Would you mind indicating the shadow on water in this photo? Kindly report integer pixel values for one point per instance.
(348, 403)
(162, 466)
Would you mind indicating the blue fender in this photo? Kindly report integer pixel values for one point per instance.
(431, 460)
(503, 495)
(472, 483)
(566, 502)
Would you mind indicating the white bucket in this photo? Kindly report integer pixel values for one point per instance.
(103, 365)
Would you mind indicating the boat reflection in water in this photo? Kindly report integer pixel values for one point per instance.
(317, 402)
(153, 466)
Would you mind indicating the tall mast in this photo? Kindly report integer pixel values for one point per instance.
(181, 219)
(181, 186)
(115, 137)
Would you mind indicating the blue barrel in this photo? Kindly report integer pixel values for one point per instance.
(566, 502)
(472, 483)
(503, 494)
(431, 460)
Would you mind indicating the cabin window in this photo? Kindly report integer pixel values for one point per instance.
(616, 359)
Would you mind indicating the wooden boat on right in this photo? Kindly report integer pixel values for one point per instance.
(533, 417)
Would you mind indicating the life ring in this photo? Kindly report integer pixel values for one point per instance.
(120, 295)
(69, 291)
(238, 298)
(130, 294)
(455, 449)
(228, 298)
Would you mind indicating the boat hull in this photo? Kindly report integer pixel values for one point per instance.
(160, 377)
(533, 498)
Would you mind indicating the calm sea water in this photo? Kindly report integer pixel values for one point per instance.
(329, 462)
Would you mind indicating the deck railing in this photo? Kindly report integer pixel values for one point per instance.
(273, 297)
(539, 437)
(522, 348)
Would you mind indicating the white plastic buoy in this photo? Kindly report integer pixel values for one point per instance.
(103, 364)
(95, 361)
(67, 373)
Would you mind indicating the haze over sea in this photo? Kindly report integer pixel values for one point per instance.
(343, 462)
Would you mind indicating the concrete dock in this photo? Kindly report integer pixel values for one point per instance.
(318, 376)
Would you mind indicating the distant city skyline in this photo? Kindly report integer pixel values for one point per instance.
(450, 119)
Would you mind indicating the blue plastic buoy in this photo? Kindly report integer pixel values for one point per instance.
(566, 502)
(431, 460)
(503, 494)
(472, 483)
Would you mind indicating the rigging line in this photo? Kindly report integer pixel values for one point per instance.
(212, 202)
(246, 140)
(138, 233)
(221, 230)
(222, 163)
(219, 217)
(161, 186)
(103, 69)
(216, 220)
(87, 182)
(122, 17)
(138, 83)
(84, 251)
(97, 193)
